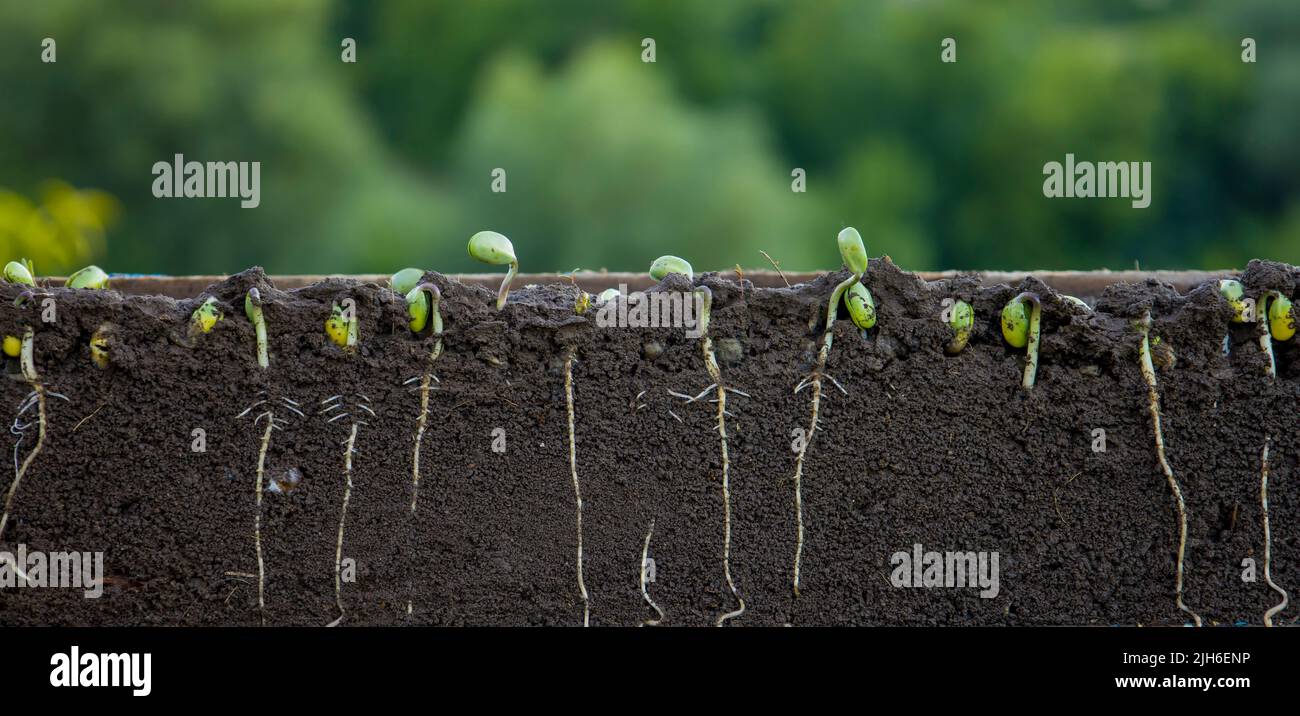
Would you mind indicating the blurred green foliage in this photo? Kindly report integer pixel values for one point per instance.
(611, 161)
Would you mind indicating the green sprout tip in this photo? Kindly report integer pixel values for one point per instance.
(89, 277)
(665, 265)
(493, 248)
(20, 272)
(403, 281)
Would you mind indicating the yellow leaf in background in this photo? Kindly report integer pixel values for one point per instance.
(67, 229)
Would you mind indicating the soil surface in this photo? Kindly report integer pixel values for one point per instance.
(920, 447)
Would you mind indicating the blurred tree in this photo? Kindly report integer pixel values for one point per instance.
(385, 162)
(607, 168)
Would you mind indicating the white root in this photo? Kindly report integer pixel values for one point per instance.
(257, 518)
(343, 516)
(1268, 540)
(37, 397)
(577, 490)
(1153, 406)
(711, 363)
(421, 423)
(27, 462)
(645, 565)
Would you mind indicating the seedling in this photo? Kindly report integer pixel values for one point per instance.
(665, 265)
(89, 277)
(342, 328)
(704, 299)
(1153, 407)
(863, 312)
(862, 308)
(493, 248)
(20, 272)
(1020, 327)
(403, 281)
(1273, 315)
(1268, 538)
(253, 309)
(422, 305)
(961, 319)
(205, 317)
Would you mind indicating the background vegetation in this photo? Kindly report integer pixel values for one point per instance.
(611, 161)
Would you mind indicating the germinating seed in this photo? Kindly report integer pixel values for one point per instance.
(1015, 324)
(961, 320)
(403, 281)
(862, 308)
(89, 277)
(665, 265)
(1280, 322)
(20, 272)
(1234, 293)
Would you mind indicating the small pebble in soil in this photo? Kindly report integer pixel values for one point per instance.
(285, 482)
(729, 350)
(652, 350)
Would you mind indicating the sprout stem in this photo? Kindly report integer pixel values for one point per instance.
(26, 356)
(1153, 406)
(577, 490)
(253, 308)
(1268, 540)
(645, 564)
(505, 284)
(828, 334)
(1265, 334)
(1031, 351)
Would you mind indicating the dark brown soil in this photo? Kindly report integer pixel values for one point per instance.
(946, 451)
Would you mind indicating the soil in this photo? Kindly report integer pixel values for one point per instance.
(945, 451)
